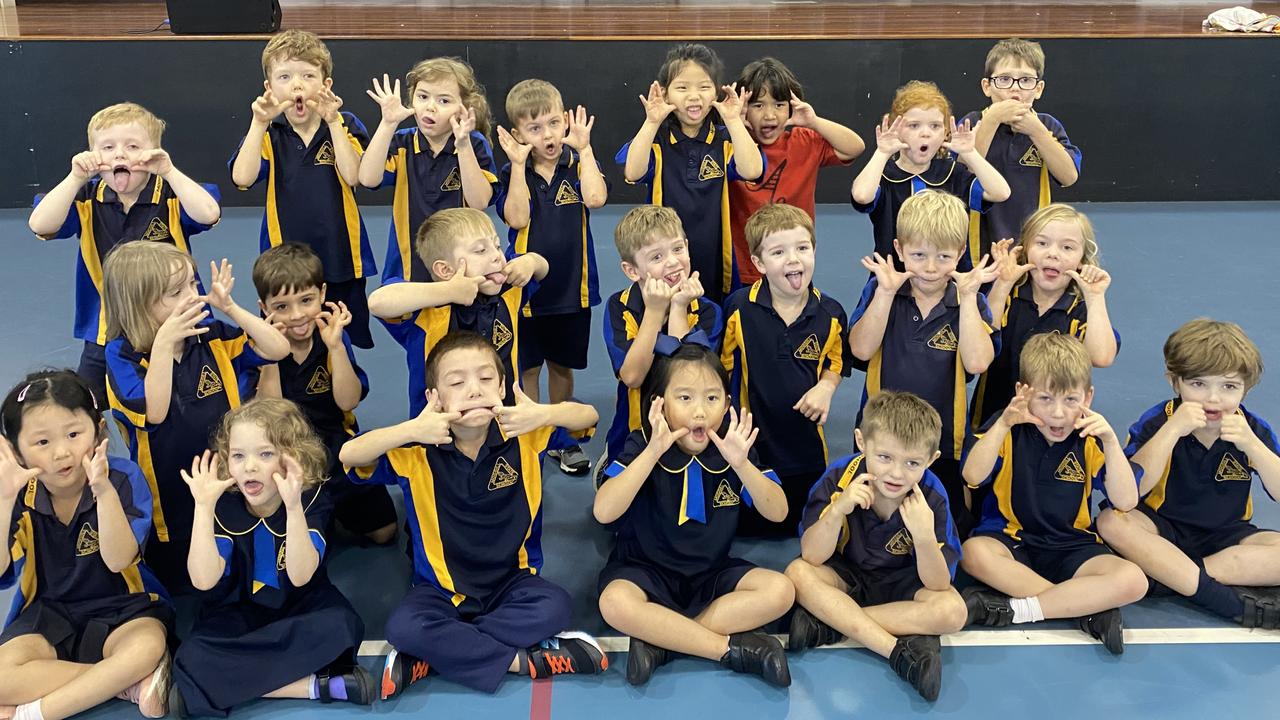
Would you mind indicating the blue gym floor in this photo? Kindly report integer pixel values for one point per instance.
(1169, 263)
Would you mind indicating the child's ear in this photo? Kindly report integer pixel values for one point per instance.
(263, 308)
(324, 292)
(441, 270)
(857, 440)
(936, 454)
(631, 271)
(266, 84)
(1088, 398)
(897, 248)
(755, 260)
(328, 83)
(986, 87)
(1173, 381)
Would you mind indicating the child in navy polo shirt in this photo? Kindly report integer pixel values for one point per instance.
(1199, 452)
(1044, 456)
(309, 154)
(88, 621)
(786, 346)
(443, 161)
(663, 300)
(320, 374)
(878, 547)
(673, 495)
(172, 373)
(470, 468)
(477, 288)
(1060, 288)
(1027, 147)
(928, 150)
(928, 330)
(691, 146)
(124, 187)
(549, 187)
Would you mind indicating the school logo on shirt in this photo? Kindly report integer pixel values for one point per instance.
(900, 544)
(710, 169)
(1031, 158)
(320, 383)
(809, 349)
(1231, 469)
(503, 475)
(945, 339)
(566, 194)
(453, 182)
(156, 231)
(1069, 470)
(280, 563)
(501, 334)
(87, 542)
(725, 496)
(324, 156)
(210, 383)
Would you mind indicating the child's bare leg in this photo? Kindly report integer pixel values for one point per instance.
(559, 382)
(1102, 583)
(1135, 538)
(130, 653)
(1254, 562)
(30, 669)
(821, 591)
(759, 597)
(626, 608)
(989, 561)
(529, 380)
(299, 689)
(930, 612)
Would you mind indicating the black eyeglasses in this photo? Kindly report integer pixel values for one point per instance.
(1004, 82)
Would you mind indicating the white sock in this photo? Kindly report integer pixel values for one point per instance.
(30, 711)
(1026, 610)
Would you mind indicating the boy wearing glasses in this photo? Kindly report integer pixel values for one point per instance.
(1029, 148)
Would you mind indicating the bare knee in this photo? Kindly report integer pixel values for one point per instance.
(142, 641)
(617, 605)
(779, 590)
(948, 611)
(801, 573)
(20, 651)
(976, 556)
(1131, 582)
(1112, 526)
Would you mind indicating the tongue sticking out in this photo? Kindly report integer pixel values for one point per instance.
(796, 280)
(120, 179)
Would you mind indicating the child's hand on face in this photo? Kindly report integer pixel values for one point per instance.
(1235, 430)
(738, 439)
(519, 271)
(1004, 255)
(523, 417)
(87, 164)
(387, 96)
(155, 161)
(1092, 280)
(1028, 123)
(657, 295)
(517, 152)
(968, 284)
(859, 494)
(1188, 418)
(1006, 111)
(331, 323)
(266, 107)
(579, 128)
(290, 484)
(13, 477)
(1092, 424)
(431, 427)
(219, 296)
(183, 322)
(661, 436)
(463, 123)
(1017, 412)
(687, 291)
(802, 114)
(889, 136)
(463, 288)
(203, 480)
(656, 107)
(96, 471)
(917, 516)
(326, 104)
(816, 403)
(888, 278)
(962, 139)
(732, 105)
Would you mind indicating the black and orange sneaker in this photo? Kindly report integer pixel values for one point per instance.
(567, 653)
(400, 671)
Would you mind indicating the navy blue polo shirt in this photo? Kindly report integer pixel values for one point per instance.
(310, 384)
(691, 175)
(98, 218)
(559, 230)
(253, 549)
(473, 524)
(1205, 487)
(218, 371)
(1018, 160)
(623, 314)
(896, 185)
(659, 529)
(307, 201)
(63, 563)
(869, 543)
(1022, 319)
(774, 364)
(921, 355)
(1041, 491)
(424, 183)
(496, 317)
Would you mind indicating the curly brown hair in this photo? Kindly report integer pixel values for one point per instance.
(286, 428)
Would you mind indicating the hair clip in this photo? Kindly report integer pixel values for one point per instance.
(22, 394)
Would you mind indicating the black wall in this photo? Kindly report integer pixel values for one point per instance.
(1179, 119)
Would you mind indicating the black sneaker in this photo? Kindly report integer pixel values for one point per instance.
(574, 461)
(1107, 627)
(357, 686)
(400, 671)
(1261, 607)
(918, 660)
(597, 477)
(567, 653)
(642, 660)
(808, 631)
(756, 653)
(987, 607)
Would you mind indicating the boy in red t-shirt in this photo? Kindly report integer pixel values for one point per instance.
(795, 141)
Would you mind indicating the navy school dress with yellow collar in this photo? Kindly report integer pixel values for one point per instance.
(673, 541)
(475, 527)
(944, 173)
(256, 631)
(308, 203)
(772, 365)
(876, 556)
(1022, 319)
(691, 175)
(216, 373)
(496, 317)
(66, 593)
(1019, 161)
(424, 182)
(623, 314)
(99, 219)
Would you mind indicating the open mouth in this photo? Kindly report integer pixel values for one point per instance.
(1057, 431)
(767, 132)
(891, 487)
(1213, 415)
(64, 472)
(252, 488)
(120, 176)
(497, 278)
(698, 433)
(693, 111)
(299, 106)
(1049, 273)
(673, 279)
(300, 332)
(795, 279)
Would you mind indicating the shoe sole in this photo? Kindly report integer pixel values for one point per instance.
(603, 663)
(157, 691)
(389, 687)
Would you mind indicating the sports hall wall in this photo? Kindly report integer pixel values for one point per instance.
(1176, 119)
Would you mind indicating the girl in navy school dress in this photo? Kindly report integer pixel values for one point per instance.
(273, 625)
